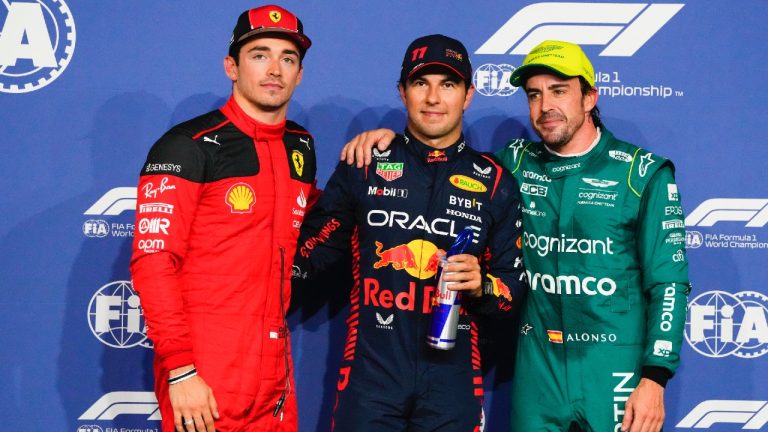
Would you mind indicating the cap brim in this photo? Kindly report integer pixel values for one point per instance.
(303, 42)
(437, 64)
(519, 75)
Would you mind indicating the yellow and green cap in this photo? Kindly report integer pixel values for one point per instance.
(564, 58)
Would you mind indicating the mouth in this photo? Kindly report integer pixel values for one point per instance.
(271, 85)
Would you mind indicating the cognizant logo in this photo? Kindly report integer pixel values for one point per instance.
(37, 41)
(562, 284)
(623, 27)
(543, 245)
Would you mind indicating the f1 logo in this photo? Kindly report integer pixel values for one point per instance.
(712, 211)
(114, 202)
(118, 403)
(753, 415)
(623, 27)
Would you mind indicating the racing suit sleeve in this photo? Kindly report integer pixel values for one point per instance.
(502, 262)
(167, 197)
(328, 227)
(661, 248)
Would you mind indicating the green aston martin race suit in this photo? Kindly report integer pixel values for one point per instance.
(604, 251)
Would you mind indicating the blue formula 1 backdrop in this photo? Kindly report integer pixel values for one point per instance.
(87, 86)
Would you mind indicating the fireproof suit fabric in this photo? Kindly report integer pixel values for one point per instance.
(397, 213)
(604, 250)
(220, 202)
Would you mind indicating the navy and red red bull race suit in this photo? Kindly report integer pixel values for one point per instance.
(221, 199)
(396, 214)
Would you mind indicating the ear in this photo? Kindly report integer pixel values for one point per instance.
(589, 100)
(401, 88)
(469, 96)
(230, 68)
(300, 75)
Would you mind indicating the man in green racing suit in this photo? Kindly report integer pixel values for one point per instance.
(604, 251)
(604, 248)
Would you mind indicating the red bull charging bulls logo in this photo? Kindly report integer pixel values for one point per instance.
(418, 257)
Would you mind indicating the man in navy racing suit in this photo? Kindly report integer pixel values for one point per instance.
(399, 216)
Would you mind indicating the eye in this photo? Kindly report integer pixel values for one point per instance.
(289, 60)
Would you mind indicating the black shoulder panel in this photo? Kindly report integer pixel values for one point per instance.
(300, 147)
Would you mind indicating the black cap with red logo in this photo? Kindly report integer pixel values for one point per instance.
(267, 19)
(436, 50)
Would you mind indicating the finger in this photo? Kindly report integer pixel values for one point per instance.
(214, 406)
(200, 425)
(177, 421)
(208, 420)
(349, 150)
(343, 153)
(187, 423)
(629, 414)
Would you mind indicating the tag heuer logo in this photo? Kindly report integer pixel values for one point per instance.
(389, 170)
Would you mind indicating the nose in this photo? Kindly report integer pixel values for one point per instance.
(546, 102)
(274, 68)
(433, 94)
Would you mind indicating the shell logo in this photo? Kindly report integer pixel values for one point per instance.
(240, 198)
(467, 184)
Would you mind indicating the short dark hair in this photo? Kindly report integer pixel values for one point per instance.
(595, 112)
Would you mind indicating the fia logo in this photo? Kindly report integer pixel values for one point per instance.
(116, 318)
(493, 80)
(36, 44)
(722, 324)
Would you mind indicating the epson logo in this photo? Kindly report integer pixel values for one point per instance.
(37, 42)
(118, 403)
(749, 414)
(533, 189)
(387, 192)
(562, 284)
(623, 27)
(753, 211)
(721, 324)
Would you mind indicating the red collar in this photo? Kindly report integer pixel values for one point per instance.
(249, 126)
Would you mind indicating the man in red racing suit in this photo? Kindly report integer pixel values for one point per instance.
(220, 202)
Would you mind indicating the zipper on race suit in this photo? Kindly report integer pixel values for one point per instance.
(287, 388)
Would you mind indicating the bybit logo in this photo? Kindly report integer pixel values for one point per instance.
(37, 41)
(623, 27)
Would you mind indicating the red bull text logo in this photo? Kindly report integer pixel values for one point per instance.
(377, 296)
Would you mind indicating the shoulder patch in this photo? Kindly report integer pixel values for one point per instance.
(644, 164)
(300, 149)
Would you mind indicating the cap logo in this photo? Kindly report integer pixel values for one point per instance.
(275, 16)
(454, 54)
(419, 53)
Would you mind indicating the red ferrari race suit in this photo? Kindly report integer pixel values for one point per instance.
(220, 202)
(397, 214)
